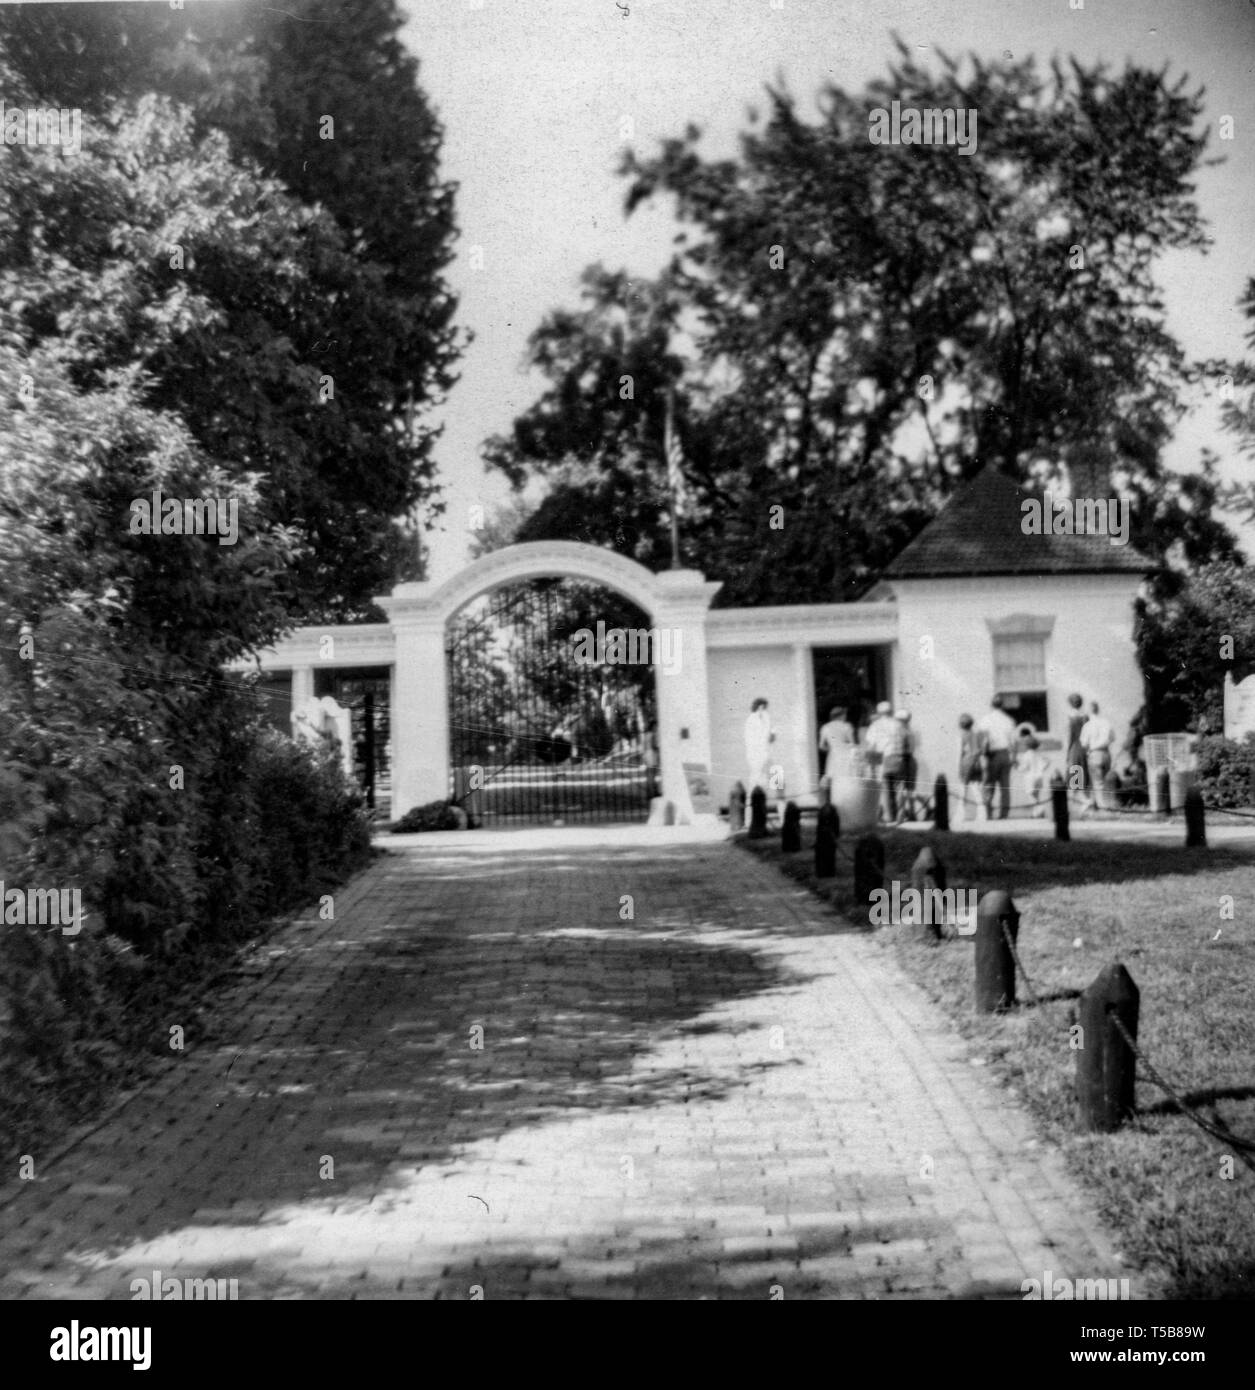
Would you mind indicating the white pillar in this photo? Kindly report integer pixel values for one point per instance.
(420, 713)
(805, 733)
(683, 599)
(302, 690)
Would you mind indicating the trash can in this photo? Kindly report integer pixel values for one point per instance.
(1173, 752)
(857, 800)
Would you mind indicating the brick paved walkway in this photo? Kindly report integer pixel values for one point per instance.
(720, 1096)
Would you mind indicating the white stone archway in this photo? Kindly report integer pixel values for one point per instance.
(418, 615)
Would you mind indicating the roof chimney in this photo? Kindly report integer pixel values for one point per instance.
(1089, 474)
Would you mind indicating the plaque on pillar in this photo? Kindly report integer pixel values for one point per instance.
(697, 775)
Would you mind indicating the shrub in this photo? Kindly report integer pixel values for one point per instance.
(1225, 767)
(260, 825)
(436, 815)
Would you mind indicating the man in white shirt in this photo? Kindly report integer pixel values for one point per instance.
(880, 733)
(995, 730)
(1097, 736)
(836, 739)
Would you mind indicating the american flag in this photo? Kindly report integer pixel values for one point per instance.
(675, 457)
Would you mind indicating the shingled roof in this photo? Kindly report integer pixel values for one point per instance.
(980, 531)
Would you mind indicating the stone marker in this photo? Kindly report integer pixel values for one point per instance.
(927, 873)
(758, 814)
(736, 807)
(1059, 805)
(1195, 820)
(869, 869)
(827, 831)
(995, 965)
(791, 829)
(1105, 1065)
(941, 803)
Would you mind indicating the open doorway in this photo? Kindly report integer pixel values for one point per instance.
(854, 678)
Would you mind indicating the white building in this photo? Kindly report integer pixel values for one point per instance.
(973, 607)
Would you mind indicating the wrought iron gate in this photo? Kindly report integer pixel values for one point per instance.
(538, 733)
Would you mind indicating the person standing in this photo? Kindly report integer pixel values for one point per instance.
(970, 771)
(759, 736)
(1035, 770)
(1078, 781)
(899, 767)
(1097, 736)
(996, 730)
(836, 737)
(875, 746)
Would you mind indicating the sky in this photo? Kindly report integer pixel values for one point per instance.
(533, 96)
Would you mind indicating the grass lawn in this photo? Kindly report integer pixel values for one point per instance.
(1160, 1180)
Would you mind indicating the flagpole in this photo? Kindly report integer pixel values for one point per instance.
(670, 449)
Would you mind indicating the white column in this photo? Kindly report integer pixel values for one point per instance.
(420, 713)
(803, 778)
(420, 718)
(302, 687)
(683, 698)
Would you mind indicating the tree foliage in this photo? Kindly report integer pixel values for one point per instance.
(347, 296)
(1189, 638)
(850, 329)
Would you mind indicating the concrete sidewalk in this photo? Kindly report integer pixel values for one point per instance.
(688, 1084)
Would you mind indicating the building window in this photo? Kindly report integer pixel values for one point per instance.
(1020, 677)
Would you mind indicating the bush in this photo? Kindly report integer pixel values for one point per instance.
(1225, 767)
(170, 879)
(436, 815)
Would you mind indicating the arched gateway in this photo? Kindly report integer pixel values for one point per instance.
(970, 608)
(676, 603)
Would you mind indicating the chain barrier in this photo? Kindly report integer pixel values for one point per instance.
(1245, 1147)
(1033, 996)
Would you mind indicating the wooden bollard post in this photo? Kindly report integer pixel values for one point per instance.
(1195, 820)
(1163, 782)
(995, 965)
(1059, 805)
(758, 814)
(927, 873)
(1106, 1068)
(941, 803)
(736, 807)
(869, 869)
(791, 829)
(827, 830)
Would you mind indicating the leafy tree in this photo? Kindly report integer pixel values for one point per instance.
(349, 300)
(1188, 640)
(850, 329)
(1238, 408)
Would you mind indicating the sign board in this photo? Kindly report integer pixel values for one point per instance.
(1239, 707)
(697, 775)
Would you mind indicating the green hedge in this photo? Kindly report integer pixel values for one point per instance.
(171, 878)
